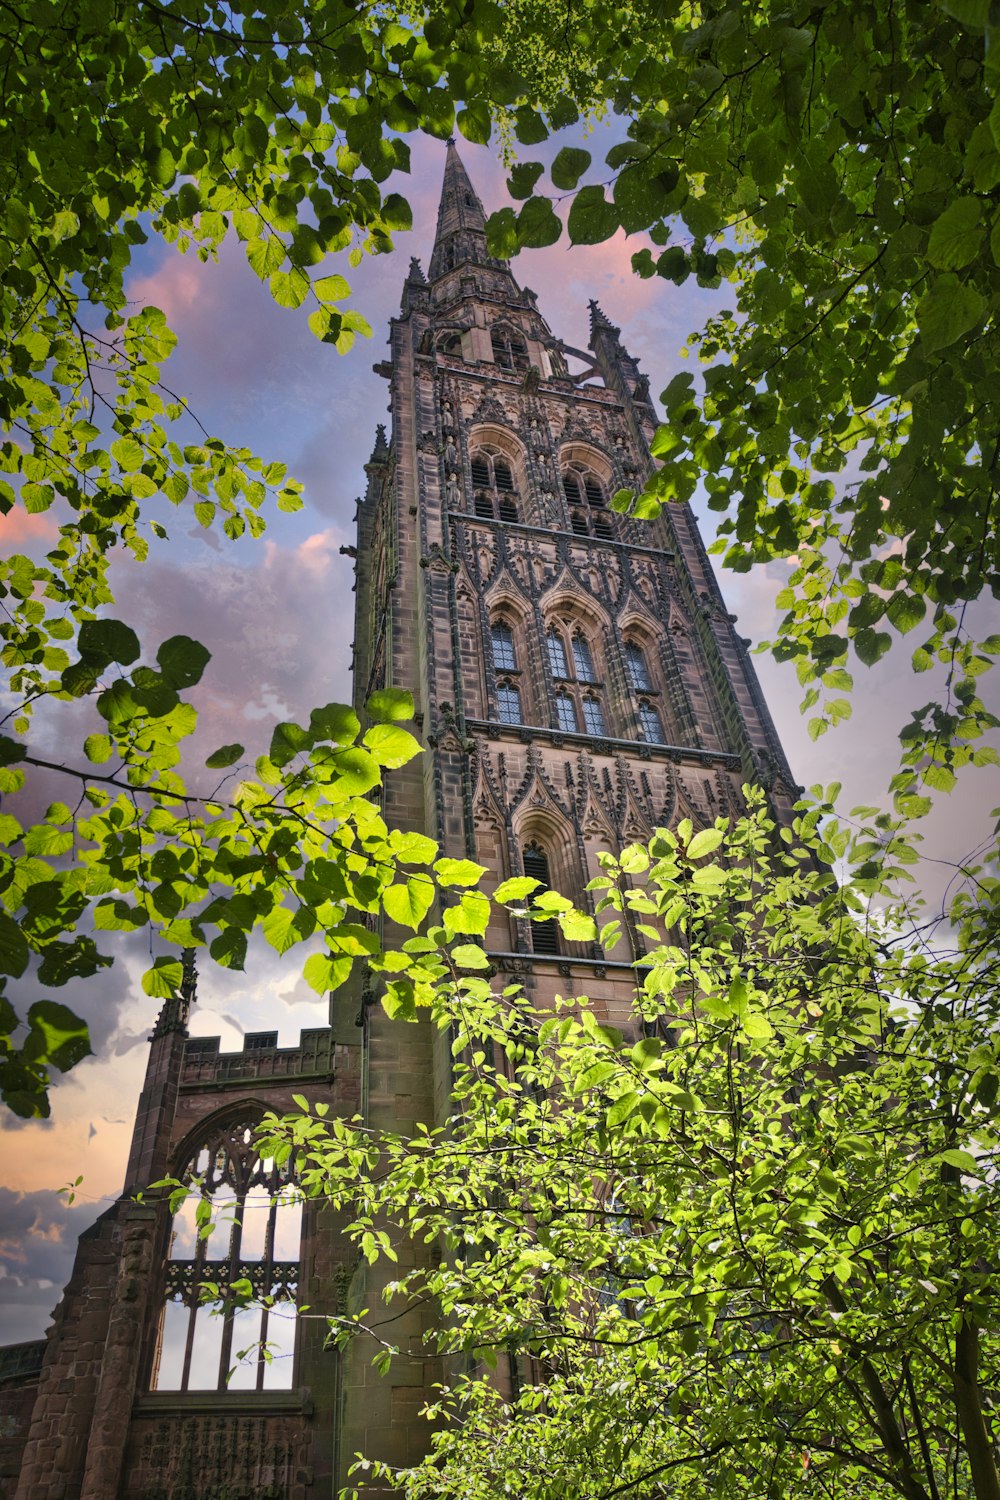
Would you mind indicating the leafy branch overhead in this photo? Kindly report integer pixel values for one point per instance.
(839, 168)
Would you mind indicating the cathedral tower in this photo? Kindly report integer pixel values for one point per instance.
(577, 683)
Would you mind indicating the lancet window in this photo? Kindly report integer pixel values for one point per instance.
(251, 1257)
(572, 666)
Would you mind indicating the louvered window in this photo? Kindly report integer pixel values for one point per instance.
(480, 472)
(502, 475)
(483, 505)
(507, 509)
(571, 489)
(544, 935)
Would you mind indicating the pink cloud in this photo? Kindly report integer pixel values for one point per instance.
(20, 526)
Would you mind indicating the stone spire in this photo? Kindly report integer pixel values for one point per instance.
(461, 224)
(600, 320)
(176, 1010)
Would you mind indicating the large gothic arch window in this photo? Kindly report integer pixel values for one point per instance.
(494, 494)
(576, 675)
(586, 496)
(510, 351)
(220, 1344)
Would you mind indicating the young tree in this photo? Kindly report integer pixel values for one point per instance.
(745, 1247)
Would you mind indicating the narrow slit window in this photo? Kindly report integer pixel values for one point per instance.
(565, 713)
(503, 647)
(583, 660)
(636, 668)
(650, 727)
(508, 704)
(593, 716)
(544, 935)
(557, 654)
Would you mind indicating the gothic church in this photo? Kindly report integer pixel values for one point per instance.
(578, 682)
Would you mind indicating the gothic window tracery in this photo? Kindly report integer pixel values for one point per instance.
(636, 668)
(255, 1244)
(646, 685)
(578, 701)
(509, 703)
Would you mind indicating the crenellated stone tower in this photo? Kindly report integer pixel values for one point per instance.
(578, 682)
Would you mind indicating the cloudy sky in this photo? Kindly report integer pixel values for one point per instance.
(277, 615)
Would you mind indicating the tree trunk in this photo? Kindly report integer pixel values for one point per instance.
(982, 1459)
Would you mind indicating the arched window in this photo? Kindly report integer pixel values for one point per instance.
(593, 716)
(557, 654)
(636, 668)
(508, 704)
(565, 713)
(451, 344)
(481, 476)
(493, 483)
(502, 638)
(510, 351)
(650, 727)
(587, 497)
(544, 935)
(255, 1242)
(582, 659)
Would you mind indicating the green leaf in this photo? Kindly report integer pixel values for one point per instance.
(182, 661)
(591, 217)
(335, 722)
(963, 1160)
(287, 741)
(324, 971)
(905, 610)
(331, 288)
(578, 927)
(62, 1038)
(569, 166)
(14, 950)
(357, 771)
(537, 224)
(290, 288)
(413, 848)
(392, 746)
(97, 748)
(458, 872)
(108, 640)
(164, 979)
(469, 956)
(521, 183)
(704, 843)
(474, 122)
(389, 705)
(409, 903)
(948, 311)
(516, 888)
(226, 755)
(470, 915)
(956, 235)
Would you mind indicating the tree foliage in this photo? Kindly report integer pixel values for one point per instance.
(747, 1247)
(839, 165)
